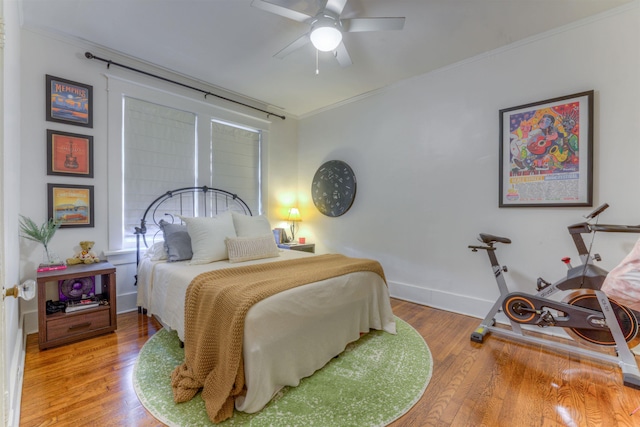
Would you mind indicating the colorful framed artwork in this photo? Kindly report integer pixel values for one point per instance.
(69, 102)
(546, 153)
(71, 205)
(69, 154)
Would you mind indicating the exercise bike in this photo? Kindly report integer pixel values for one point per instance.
(586, 313)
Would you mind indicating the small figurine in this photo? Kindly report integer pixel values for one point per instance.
(85, 256)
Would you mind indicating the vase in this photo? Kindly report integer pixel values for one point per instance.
(50, 258)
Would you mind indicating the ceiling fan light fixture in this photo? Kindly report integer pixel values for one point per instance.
(325, 34)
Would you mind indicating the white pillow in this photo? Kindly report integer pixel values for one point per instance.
(250, 226)
(207, 237)
(248, 248)
(157, 252)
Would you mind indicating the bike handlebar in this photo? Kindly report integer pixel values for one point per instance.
(597, 211)
(612, 228)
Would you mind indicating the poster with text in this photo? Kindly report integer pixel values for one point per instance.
(546, 153)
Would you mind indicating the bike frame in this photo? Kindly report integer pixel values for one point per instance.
(625, 358)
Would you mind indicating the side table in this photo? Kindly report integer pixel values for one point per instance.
(63, 328)
(303, 247)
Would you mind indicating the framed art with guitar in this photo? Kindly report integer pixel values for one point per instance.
(546, 153)
(69, 154)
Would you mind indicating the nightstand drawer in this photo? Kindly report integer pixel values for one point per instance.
(72, 324)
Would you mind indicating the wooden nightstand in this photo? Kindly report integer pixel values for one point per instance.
(303, 247)
(63, 328)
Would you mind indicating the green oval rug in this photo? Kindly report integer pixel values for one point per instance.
(373, 382)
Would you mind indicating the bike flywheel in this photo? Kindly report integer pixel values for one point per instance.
(627, 320)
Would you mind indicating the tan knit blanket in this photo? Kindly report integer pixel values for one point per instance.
(216, 304)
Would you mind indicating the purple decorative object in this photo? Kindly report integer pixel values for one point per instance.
(75, 289)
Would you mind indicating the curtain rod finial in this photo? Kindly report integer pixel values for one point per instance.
(89, 55)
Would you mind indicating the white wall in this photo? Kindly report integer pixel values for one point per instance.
(64, 58)
(425, 153)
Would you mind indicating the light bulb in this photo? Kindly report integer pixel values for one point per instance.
(325, 33)
(326, 39)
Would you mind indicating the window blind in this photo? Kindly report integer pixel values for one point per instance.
(236, 162)
(159, 154)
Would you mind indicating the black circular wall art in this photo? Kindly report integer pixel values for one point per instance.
(333, 188)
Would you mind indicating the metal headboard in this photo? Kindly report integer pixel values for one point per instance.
(188, 201)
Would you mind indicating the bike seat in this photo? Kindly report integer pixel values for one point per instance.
(490, 238)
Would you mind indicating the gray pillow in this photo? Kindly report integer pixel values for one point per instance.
(176, 241)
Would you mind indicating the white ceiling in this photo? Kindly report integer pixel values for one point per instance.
(230, 44)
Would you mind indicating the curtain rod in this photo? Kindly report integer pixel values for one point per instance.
(109, 62)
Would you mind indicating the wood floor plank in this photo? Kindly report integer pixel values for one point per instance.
(497, 383)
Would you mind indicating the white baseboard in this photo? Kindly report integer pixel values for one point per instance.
(127, 302)
(30, 320)
(16, 377)
(457, 303)
(435, 298)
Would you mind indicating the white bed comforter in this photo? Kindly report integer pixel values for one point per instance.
(287, 336)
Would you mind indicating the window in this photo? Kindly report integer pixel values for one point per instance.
(236, 165)
(167, 142)
(159, 151)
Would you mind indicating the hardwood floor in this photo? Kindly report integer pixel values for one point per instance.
(497, 383)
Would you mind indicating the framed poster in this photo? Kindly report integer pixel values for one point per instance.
(71, 205)
(546, 153)
(69, 102)
(69, 154)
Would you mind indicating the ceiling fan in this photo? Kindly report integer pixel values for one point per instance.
(326, 27)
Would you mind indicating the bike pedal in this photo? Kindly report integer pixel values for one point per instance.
(546, 319)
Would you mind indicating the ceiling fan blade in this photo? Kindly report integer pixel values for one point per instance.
(280, 10)
(372, 24)
(336, 6)
(342, 56)
(297, 44)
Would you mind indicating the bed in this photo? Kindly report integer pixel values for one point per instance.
(287, 336)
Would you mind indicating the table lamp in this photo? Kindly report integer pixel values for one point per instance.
(294, 217)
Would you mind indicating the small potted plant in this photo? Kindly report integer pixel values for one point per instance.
(41, 234)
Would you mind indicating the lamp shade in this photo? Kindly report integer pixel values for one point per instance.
(325, 34)
(294, 215)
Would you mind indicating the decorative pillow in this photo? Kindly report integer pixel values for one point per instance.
(157, 252)
(177, 242)
(250, 226)
(248, 248)
(207, 237)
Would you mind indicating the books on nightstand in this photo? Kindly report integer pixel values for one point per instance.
(82, 304)
(51, 267)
